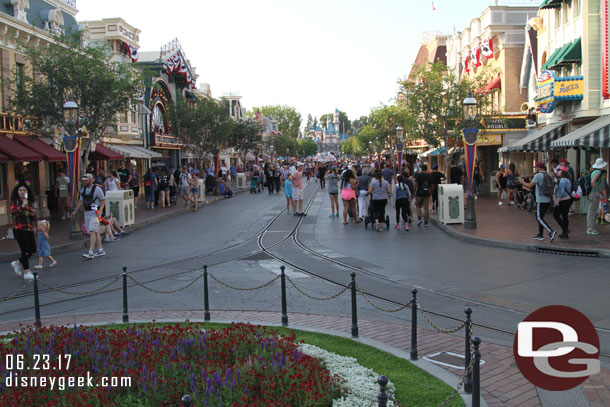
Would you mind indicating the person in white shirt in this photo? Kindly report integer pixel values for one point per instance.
(112, 182)
(185, 185)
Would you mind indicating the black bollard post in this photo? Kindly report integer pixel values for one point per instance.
(414, 325)
(125, 311)
(284, 311)
(382, 397)
(354, 310)
(476, 373)
(467, 355)
(36, 301)
(187, 401)
(206, 300)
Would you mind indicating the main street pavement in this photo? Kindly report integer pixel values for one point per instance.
(501, 285)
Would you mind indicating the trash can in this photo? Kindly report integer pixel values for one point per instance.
(121, 205)
(242, 181)
(450, 203)
(201, 196)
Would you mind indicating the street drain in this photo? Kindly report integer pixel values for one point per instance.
(258, 256)
(448, 359)
(567, 252)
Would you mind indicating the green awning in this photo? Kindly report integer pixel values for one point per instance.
(551, 4)
(572, 54)
(552, 61)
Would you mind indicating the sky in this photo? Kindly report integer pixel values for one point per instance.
(314, 55)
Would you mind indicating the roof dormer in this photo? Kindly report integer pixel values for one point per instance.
(53, 20)
(19, 8)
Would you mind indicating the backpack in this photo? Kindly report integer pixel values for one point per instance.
(548, 186)
(148, 181)
(585, 185)
(88, 198)
(424, 188)
(163, 182)
(401, 191)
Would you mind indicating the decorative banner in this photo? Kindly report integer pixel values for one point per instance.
(379, 161)
(475, 56)
(487, 48)
(175, 64)
(399, 147)
(216, 164)
(552, 89)
(470, 152)
(465, 63)
(72, 148)
(133, 52)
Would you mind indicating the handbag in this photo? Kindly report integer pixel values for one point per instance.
(9, 234)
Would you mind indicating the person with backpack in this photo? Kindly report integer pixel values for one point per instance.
(545, 187)
(93, 200)
(150, 184)
(380, 191)
(165, 181)
(423, 191)
(401, 199)
(594, 190)
(563, 193)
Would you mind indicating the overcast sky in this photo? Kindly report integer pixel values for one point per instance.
(314, 55)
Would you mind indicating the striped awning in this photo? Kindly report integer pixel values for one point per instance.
(540, 140)
(595, 135)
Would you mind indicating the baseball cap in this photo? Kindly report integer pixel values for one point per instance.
(541, 165)
(87, 176)
(502, 166)
(435, 167)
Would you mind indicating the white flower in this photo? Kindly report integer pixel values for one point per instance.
(361, 382)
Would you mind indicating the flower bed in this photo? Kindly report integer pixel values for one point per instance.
(241, 365)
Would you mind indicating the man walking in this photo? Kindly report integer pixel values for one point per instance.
(597, 187)
(92, 199)
(185, 185)
(124, 175)
(62, 185)
(543, 202)
(455, 174)
(297, 188)
(321, 175)
(423, 190)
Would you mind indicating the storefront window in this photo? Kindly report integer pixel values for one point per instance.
(3, 189)
(28, 172)
(557, 17)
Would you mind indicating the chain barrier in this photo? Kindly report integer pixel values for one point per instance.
(244, 289)
(438, 329)
(165, 291)
(366, 297)
(61, 290)
(344, 289)
(16, 293)
(459, 386)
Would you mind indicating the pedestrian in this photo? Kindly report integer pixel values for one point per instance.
(388, 173)
(112, 182)
(92, 200)
(512, 183)
(134, 185)
(543, 202)
(349, 184)
(333, 191)
(322, 175)
(563, 194)
(23, 215)
(363, 192)
(456, 175)
(124, 175)
(195, 191)
(269, 178)
(603, 200)
(165, 181)
(501, 178)
(437, 178)
(423, 191)
(62, 187)
(150, 184)
(185, 185)
(401, 200)
(276, 178)
(44, 248)
(288, 192)
(477, 178)
(595, 195)
(380, 191)
(297, 188)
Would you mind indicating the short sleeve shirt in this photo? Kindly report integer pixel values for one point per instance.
(388, 173)
(184, 179)
(63, 183)
(539, 180)
(98, 195)
(297, 179)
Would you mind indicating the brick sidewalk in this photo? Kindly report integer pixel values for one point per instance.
(501, 382)
(512, 227)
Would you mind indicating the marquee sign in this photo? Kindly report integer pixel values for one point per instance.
(552, 89)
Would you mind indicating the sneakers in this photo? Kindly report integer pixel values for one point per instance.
(38, 267)
(553, 234)
(500, 203)
(28, 276)
(303, 214)
(331, 216)
(107, 240)
(88, 255)
(17, 267)
(407, 228)
(419, 222)
(397, 227)
(538, 237)
(476, 197)
(66, 216)
(511, 203)
(593, 232)
(297, 214)
(426, 224)
(53, 264)
(100, 253)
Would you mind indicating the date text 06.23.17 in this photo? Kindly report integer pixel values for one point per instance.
(38, 361)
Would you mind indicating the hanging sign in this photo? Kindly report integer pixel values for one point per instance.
(552, 89)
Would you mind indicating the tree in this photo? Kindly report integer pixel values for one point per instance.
(289, 120)
(309, 126)
(65, 68)
(202, 126)
(245, 137)
(358, 124)
(307, 147)
(344, 122)
(283, 145)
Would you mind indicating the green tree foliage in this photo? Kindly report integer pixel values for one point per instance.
(66, 68)
(306, 148)
(283, 145)
(202, 126)
(309, 127)
(344, 123)
(245, 137)
(289, 120)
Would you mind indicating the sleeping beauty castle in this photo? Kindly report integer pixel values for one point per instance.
(328, 137)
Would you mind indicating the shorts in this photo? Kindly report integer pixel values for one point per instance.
(92, 222)
(195, 191)
(348, 194)
(297, 194)
(184, 190)
(333, 193)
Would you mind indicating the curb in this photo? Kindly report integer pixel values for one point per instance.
(82, 243)
(514, 245)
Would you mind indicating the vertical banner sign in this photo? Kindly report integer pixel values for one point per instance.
(470, 152)
(399, 147)
(216, 165)
(379, 161)
(72, 149)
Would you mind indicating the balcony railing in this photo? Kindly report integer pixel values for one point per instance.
(71, 3)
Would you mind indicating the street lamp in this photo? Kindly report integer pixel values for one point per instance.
(272, 153)
(70, 111)
(399, 145)
(469, 106)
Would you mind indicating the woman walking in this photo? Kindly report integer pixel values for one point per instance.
(349, 184)
(401, 201)
(563, 193)
(333, 191)
(134, 185)
(150, 184)
(381, 190)
(512, 183)
(23, 215)
(501, 178)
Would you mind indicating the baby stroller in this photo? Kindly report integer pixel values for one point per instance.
(210, 183)
(254, 184)
(370, 218)
(526, 199)
(173, 193)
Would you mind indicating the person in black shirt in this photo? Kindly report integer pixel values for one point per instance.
(456, 174)
(437, 178)
(124, 175)
(423, 191)
(321, 175)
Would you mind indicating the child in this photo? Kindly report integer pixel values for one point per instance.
(44, 248)
(288, 192)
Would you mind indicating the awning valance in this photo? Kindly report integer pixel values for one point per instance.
(595, 135)
(3, 158)
(540, 140)
(436, 151)
(495, 83)
(104, 153)
(551, 4)
(133, 151)
(16, 151)
(48, 152)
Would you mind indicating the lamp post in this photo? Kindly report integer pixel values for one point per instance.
(72, 147)
(260, 149)
(469, 106)
(370, 152)
(399, 145)
(272, 153)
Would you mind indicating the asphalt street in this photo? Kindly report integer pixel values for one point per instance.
(245, 240)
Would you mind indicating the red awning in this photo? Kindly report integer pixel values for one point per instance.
(104, 153)
(47, 151)
(17, 151)
(3, 158)
(495, 83)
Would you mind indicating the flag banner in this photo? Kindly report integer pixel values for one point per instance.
(465, 63)
(72, 147)
(474, 56)
(175, 64)
(470, 154)
(433, 8)
(487, 48)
